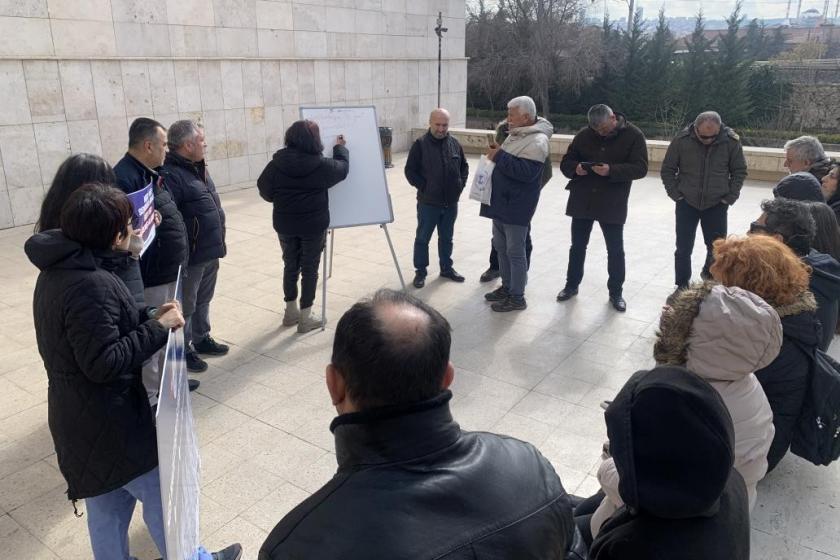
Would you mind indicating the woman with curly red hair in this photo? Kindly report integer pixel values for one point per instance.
(766, 267)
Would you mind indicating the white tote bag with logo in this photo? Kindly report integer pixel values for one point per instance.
(481, 185)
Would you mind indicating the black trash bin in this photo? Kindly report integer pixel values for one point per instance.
(386, 135)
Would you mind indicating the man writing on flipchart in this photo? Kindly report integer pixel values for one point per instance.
(437, 168)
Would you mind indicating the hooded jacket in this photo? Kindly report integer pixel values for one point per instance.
(516, 179)
(160, 263)
(195, 194)
(704, 176)
(825, 285)
(296, 183)
(723, 335)
(799, 186)
(93, 340)
(410, 484)
(438, 170)
(672, 442)
(786, 380)
(592, 196)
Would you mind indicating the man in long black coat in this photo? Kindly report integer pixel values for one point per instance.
(602, 162)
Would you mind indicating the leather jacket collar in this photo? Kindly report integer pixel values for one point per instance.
(394, 433)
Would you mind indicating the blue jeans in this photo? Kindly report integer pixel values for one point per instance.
(108, 516)
(428, 218)
(509, 241)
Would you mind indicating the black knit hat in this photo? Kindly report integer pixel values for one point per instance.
(799, 186)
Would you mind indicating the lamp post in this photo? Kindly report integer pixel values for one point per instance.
(439, 30)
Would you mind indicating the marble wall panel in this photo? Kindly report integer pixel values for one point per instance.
(84, 137)
(43, 86)
(14, 101)
(20, 157)
(139, 11)
(142, 39)
(289, 83)
(24, 8)
(275, 15)
(53, 144)
(83, 38)
(137, 88)
(24, 36)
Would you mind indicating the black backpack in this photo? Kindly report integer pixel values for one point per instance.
(817, 435)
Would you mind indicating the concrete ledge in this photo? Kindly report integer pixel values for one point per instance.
(764, 164)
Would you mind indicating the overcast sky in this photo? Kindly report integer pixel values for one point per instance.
(714, 9)
(711, 8)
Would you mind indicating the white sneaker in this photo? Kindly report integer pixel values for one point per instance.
(306, 323)
(292, 314)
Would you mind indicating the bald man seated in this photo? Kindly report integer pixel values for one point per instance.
(410, 482)
(437, 168)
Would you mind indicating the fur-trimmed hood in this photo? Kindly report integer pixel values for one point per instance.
(720, 333)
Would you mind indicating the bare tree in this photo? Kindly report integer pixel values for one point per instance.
(544, 31)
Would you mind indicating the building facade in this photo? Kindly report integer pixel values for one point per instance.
(75, 73)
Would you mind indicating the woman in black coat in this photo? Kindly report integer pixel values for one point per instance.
(296, 182)
(93, 339)
(76, 171)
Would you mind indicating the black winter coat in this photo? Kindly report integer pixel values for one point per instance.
(672, 441)
(159, 264)
(825, 285)
(410, 484)
(93, 340)
(785, 381)
(296, 183)
(604, 198)
(437, 169)
(195, 195)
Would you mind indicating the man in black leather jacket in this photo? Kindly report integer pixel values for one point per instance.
(410, 482)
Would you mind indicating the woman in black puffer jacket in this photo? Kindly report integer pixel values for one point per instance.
(75, 171)
(93, 339)
(296, 181)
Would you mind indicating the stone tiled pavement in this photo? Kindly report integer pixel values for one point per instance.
(262, 412)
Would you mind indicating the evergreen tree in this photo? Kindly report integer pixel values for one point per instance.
(695, 71)
(659, 74)
(776, 43)
(605, 86)
(730, 86)
(632, 70)
(769, 96)
(756, 41)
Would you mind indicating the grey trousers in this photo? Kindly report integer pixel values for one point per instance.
(509, 242)
(155, 297)
(199, 287)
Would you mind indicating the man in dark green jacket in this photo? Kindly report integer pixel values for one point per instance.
(703, 171)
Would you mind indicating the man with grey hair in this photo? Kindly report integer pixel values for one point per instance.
(186, 175)
(703, 171)
(602, 162)
(806, 153)
(514, 197)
